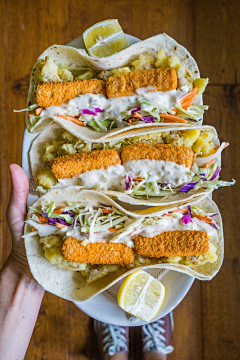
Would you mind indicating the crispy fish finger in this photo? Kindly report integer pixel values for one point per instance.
(97, 253)
(173, 243)
(69, 166)
(127, 84)
(180, 155)
(58, 93)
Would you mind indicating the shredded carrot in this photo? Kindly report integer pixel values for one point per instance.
(183, 211)
(70, 118)
(188, 99)
(204, 218)
(137, 115)
(112, 229)
(43, 219)
(173, 118)
(208, 163)
(61, 226)
(58, 211)
(38, 111)
(33, 229)
(174, 110)
(106, 211)
(138, 179)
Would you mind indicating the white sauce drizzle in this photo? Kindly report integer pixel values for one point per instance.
(164, 171)
(113, 178)
(114, 106)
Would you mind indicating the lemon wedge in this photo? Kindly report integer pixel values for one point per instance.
(141, 295)
(105, 38)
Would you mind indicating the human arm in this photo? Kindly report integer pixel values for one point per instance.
(20, 294)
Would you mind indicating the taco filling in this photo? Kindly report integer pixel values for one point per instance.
(96, 240)
(158, 164)
(149, 90)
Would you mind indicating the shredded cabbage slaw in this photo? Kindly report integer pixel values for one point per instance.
(81, 221)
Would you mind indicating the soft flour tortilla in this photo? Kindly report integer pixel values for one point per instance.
(72, 285)
(54, 131)
(69, 55)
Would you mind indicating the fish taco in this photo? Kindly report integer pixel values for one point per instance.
(151, 83)
(80, 242)
(153, 166)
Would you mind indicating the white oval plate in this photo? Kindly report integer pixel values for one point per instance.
(103, 307)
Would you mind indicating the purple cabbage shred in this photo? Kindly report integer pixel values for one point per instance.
(192, 120)
(135, 110)
(69, 212)
(186, 188)
(186, 219)
(52, 221)
(63, 222)
(215, 174)
(44, 213)
(148, 119)
(128, 181)
(105, 205)
(91, 111)
(214, 226)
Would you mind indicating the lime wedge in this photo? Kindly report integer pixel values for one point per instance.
(141, 295)
(105, 38)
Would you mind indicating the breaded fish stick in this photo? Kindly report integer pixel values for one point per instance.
(97, 253)
(173, 243)
(69, 166)
(58, 93)
(127, 84)
(180, 155)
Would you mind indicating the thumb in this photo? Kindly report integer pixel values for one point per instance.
(16, 210)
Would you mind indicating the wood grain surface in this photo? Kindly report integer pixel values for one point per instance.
(207, 320)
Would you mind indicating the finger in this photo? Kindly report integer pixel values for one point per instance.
(16, 211)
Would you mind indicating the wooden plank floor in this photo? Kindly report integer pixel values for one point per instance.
(207, 321)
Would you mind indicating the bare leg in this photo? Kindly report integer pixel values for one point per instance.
(155, 356)
(117, 357)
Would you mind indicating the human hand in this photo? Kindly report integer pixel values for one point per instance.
(16, 214)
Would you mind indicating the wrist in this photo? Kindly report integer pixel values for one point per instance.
(20, 267)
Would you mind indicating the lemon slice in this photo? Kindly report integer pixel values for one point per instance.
(104, 38)
(141, 295)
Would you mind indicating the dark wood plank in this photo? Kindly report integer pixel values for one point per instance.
(81, 339)
(220, 297)
(217, 40)
(175, 18)
(49, 337)
(187, 335)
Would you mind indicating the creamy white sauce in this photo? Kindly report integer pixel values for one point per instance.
(113, 178)
(163, 171)
(114, 106)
